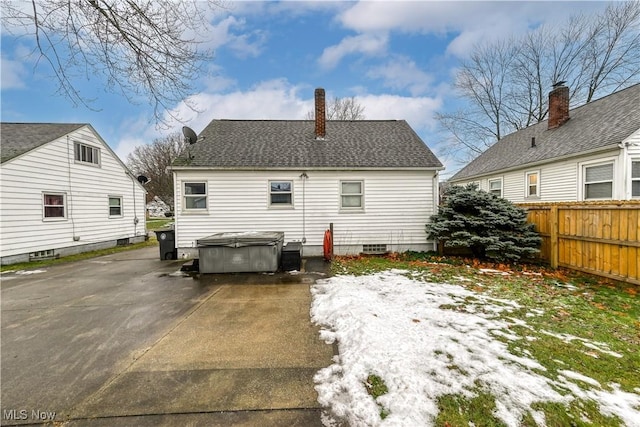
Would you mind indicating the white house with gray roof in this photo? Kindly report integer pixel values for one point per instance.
(64, 191)
(375, 181)
(591, 152)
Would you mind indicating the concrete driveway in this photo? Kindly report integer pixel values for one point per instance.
(126, 339)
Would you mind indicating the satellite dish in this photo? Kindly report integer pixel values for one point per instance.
(142, 179)
(189, 135)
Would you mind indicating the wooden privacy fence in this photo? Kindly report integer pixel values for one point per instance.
(593, 237)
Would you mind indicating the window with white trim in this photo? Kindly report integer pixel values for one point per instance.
(115, 206)
(195, 195)
(635, 179)
(351, 195)
(54, 206)
(495, 186)
(280, 193)
(598, 181)
(532, 186)
(86, 154)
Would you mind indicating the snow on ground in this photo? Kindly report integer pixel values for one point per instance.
(427, 340)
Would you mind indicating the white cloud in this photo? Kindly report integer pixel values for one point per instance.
(402, 73)
(417, 111)
(228, 33)
(12, 74)
(367, 44)
(469, 22)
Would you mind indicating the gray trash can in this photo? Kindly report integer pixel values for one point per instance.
(167, 242)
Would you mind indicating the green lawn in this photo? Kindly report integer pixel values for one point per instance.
(574, 310)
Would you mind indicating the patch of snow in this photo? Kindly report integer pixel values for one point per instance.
(496, 272)
(579, 377)
(423, 341)
(28, 272)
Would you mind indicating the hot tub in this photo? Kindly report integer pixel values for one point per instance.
(240, 252)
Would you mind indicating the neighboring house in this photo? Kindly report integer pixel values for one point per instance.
(375, 181)
(64, 191)
(588, 153)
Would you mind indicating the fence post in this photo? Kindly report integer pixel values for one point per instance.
(554, 231)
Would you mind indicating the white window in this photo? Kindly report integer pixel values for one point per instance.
(598, 181)
(195, 195)
(351, 195)
(280, 193)
(115, 206)
(86, 153)
(495, 186)
(532, 188)
(635, 179)
(54, 206)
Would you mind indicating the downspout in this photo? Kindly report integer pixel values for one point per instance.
(304, 177)
(70, 153)
(135, 209)
(436, 202)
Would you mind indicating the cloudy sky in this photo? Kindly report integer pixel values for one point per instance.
(398, 59)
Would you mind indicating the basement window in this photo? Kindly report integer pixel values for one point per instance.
(46, 254)
(374, 249)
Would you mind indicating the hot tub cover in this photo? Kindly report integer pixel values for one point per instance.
(242, 238)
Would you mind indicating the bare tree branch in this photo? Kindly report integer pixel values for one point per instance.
(152, 161)
(505, 84)
(144, 49)
(341, 109)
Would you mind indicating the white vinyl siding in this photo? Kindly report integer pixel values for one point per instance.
(598, 181)
(52, 169)
(398, 205)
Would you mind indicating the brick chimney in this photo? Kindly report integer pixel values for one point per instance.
(558, 105)
(320, 114)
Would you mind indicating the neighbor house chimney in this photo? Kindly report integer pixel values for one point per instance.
(558, 105)
(320, 114)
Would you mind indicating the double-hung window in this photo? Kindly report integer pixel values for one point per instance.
(115, 206)
(195, 195)
(352, 195)
(495, 186)
(86, 154)
(280, 193)
(532, 188)
(54, 206)
(635, 179)
(598, 181)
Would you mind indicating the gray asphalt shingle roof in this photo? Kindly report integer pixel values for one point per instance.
(595, 125)
(19, 138)
(292, 144)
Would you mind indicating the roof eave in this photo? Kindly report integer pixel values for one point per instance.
(298, 168)
(538, 163)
